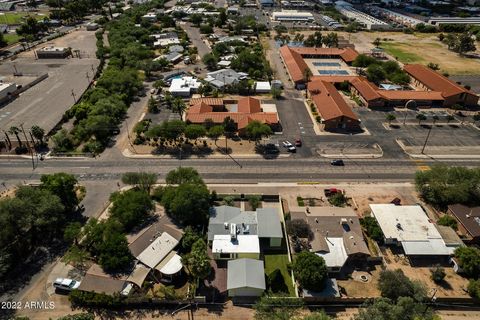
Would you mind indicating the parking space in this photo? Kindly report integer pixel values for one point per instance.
(441, 135)
(45, 103)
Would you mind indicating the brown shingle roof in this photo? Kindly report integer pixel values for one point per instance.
(466, 216)
(330, 103)
(434, 81)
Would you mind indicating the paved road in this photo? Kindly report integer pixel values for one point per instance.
(196, 38)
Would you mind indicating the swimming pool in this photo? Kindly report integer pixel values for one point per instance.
(333, 72)
(326, 64)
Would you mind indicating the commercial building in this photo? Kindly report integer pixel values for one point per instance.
(410, 228)
(184, 86)
(337, 236)
(397, 17)
(245, 278)
(242, 112)
(294, 60)
(366, 20)
(292, 15)
(427, 79)
(7, 90)
(331, 23)
(335, 113)
(51, 52)
(468, 219)
(437, 21)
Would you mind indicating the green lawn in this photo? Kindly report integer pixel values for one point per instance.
(395, 50)
(17, 17)
(11, 37)
(279, 261)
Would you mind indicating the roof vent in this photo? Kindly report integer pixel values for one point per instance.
(233, 231)
(226, 225)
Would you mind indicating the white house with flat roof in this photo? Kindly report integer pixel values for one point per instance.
(233, 246)
(292, 15)
(410, 227)
(184, 87)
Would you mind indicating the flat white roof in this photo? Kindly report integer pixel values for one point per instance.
(410, 226)
(184, 84)
(263, 85)
(173, 265)
(243, 244)
(337, 255)
(157, 250)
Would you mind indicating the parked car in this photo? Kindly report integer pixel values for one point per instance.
(298, 143)
(290, 147)
(331, 191)
(66, 284)
(271, 148)
(337, 162)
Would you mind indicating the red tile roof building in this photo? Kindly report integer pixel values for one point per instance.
(247, 110)
(427, 79)
(332, 108)
(293, 58)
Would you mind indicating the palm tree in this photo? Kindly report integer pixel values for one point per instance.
(307, 75)
(390, 117)
(38, 133)
(450, 118)
(179, 106)
(421, 117)
(435, 118)
(15, 130)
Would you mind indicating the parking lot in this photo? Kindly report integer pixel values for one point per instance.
(45, 103)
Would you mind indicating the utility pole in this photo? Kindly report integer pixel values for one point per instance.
(426, 139)
(74, 98)
(29, 147)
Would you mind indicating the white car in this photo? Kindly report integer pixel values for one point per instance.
(290, 147)
(66, 284)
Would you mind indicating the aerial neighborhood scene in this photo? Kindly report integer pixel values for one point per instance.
(240, 159)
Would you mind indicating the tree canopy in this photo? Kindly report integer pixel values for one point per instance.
(310, 270)
(141, 180)
(131, 208)
(469, 260)
(183, 175)
(443, 185)
(197, 261)
(394, 284)
(405, 308)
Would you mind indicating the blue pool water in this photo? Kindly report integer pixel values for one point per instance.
(333, 72)
(326, 64)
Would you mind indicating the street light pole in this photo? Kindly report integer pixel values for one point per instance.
(426, 139)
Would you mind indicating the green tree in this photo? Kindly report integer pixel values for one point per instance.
(256, 130)
(464, 43)
(375, 73)
(197, 261)
(405, 308)
(331, 40)
(276, 92)
(64, 186)
(421, 117)
(141, 180)
(279, 307)
(299, 228)
(450, 118)
(190, 236)
(448, 221)
(442, 185)
(114, 253)
(437, 274)
(183, 175)
(310, 270)
(196, 19)
(394, 284)
(469, 260)
(210, 61)
(372, 228)
(377, 42)
(131, 208)
(72, 232)
(188, 203)
(254, 201)
(179, 106)
(363, 61)
(31, 28)
(390, 117)
(15, 131)
(391, 67)
(38, 133)
(474, 288)
(319, 315)
(195, 131)
(229, 126)
(215, 132)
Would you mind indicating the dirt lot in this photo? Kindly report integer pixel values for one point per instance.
(357, 288)
(427, 49)
(451, 287)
